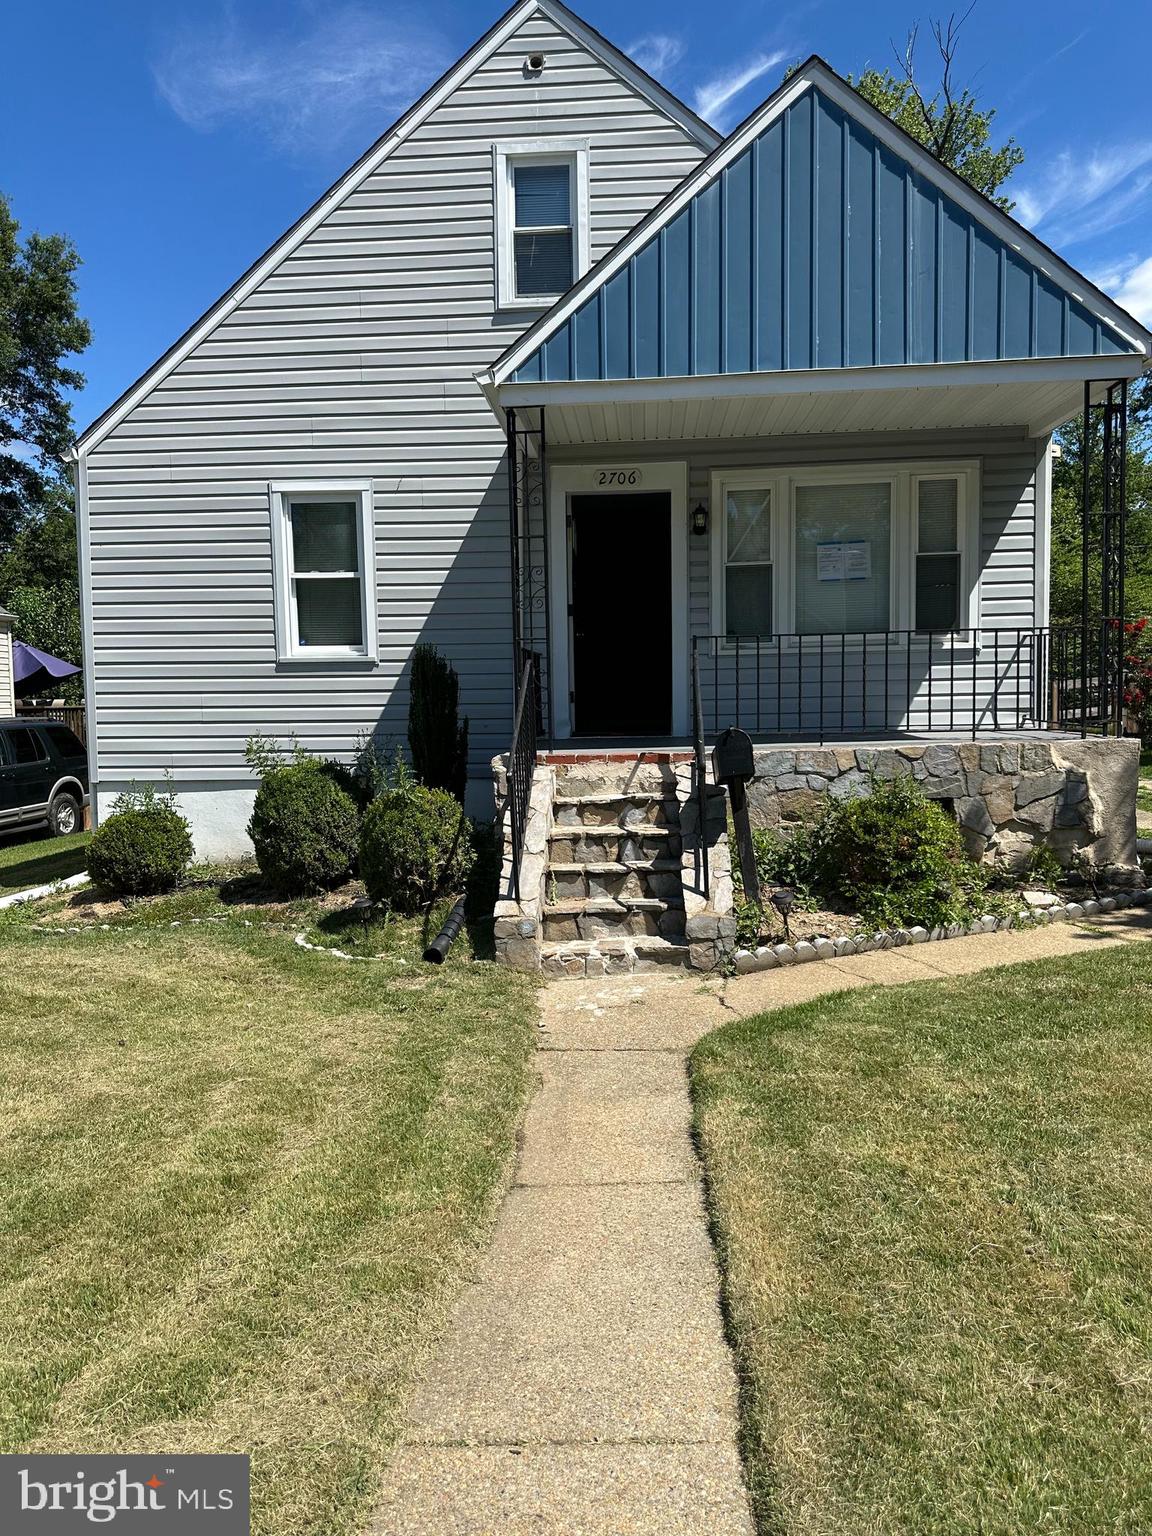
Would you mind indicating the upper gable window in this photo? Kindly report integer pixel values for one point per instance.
(541, 221)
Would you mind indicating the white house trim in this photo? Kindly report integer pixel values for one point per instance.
(280, 496)
(553, 11)
(574, 152)
(567, 480)
(87, 630)
(816, 73)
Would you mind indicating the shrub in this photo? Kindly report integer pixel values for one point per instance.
(791, 860)
(415, 845)
(305, 828)
(438, 739)
(897, 856)
(144, 846)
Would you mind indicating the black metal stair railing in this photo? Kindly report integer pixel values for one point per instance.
(522, 758)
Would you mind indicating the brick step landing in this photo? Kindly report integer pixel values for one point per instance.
(611, 957)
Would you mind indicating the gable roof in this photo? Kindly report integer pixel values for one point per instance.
(819, 235)
(508, 24)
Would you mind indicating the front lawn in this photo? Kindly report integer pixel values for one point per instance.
(25, 862)
(241, 1181)
(932, 1205)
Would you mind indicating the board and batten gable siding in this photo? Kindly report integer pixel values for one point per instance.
(354, 359)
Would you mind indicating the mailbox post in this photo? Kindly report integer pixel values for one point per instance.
(734, 763)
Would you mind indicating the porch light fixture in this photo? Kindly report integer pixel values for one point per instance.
(700, 518)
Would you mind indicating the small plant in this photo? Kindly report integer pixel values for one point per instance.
(144, 846)
(415, 846)
(305, 828)
(791, 860)
(438, 739)
(1044, 868)
(749, 922)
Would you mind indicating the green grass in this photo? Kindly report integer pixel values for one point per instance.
(24, 864)
(241, 1182)
(932, 1210)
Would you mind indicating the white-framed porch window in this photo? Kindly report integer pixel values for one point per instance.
(541, 201)
(323, 545)
(847, 550)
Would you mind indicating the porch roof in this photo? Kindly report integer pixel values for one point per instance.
(820, 271)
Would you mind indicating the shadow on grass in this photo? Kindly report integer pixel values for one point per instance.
(42, 867)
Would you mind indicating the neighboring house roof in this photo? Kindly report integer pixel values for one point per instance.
(4, 614)
(819, 236)
(553, 10)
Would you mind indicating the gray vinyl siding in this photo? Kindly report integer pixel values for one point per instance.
(355, 359)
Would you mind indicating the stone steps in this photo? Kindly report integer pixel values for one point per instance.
(641, 916)
(625, 809)
(613, 844)
(652, 877)
(611, 956)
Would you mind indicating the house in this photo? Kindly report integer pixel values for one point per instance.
(666, 431)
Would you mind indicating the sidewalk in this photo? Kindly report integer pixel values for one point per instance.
(585, 1388)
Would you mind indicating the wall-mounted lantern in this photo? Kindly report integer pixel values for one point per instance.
(700, 518)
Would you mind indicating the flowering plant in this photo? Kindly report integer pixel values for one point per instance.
(1138, 672)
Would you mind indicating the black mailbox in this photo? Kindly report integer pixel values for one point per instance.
(732, 756)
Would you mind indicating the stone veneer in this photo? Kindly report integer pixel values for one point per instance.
(1009, 795)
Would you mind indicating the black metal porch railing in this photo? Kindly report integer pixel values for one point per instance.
(522, 757)
(970, 682)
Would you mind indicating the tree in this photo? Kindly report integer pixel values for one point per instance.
(43, 552)
(49, 619)
(39, 328)
(948, 121)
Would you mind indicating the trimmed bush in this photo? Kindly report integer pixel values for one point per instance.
(305, 829)
(142, 849)
(415, 845)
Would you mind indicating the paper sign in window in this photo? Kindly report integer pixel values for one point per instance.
(849, 560)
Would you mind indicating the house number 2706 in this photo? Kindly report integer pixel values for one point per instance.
(618, 477)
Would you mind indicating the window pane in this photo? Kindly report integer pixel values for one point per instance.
(748, 599)
(543, 264)
(843, 558)
(938, 592)
(749, 526)
(543, 195)
(25, 746)
(938, 516)
(329, 612)
(324, 536)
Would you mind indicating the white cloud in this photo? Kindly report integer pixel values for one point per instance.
(336, 70)
(715, 96)
(1129, 282)
(1084, 194)
(657, 52)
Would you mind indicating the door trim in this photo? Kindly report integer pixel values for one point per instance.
(566, 480)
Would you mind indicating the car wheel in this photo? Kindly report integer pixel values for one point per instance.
(64, 815)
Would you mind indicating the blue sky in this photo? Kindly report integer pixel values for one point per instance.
(175, 141)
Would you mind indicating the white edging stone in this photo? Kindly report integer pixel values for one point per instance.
(765, 957)
(53, 888)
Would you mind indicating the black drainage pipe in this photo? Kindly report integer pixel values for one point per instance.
(437, 951)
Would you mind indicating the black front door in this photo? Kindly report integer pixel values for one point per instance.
(621, 614)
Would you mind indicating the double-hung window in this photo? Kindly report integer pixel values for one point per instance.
(748, 564)
(938, 600)
(323, 544)
(542, 221)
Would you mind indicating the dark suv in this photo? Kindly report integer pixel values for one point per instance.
(43, 776)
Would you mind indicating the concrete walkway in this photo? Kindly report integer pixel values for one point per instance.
(585, 1388)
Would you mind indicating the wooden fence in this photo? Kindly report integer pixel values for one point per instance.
(71, 715)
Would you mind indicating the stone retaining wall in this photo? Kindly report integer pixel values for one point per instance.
(1009, 795)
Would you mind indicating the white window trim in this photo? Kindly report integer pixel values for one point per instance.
(574, 153)
(281, 493)
(903, 479)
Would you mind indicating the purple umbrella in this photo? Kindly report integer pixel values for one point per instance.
(33, 670)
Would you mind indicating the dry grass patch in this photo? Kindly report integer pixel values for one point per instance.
(238, 1182)
(932, 1209)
